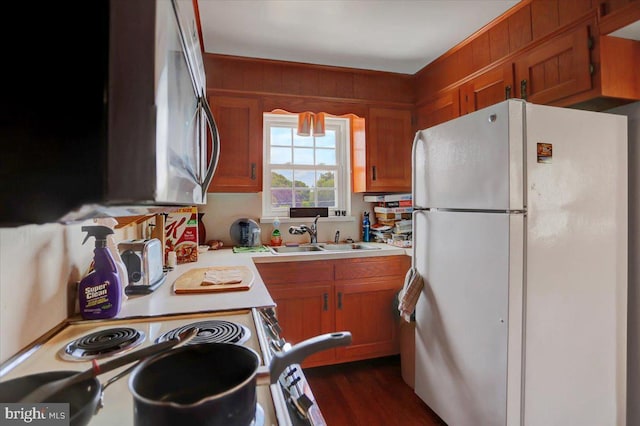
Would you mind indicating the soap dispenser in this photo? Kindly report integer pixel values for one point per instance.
(276, 238)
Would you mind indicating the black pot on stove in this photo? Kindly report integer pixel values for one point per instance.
(212, 384)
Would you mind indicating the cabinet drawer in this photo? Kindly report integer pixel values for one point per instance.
(295, 272)
(371, 267)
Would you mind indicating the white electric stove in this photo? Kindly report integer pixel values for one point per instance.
(80, 343)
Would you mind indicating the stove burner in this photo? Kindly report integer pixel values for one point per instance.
(211, 331)
(101, 344)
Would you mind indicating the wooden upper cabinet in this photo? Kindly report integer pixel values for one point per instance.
(549, 15)
(556, 69)
(239, 121)
(489, 88)
(437, 110)
(520, 29)
(389, 138)
(615, 14)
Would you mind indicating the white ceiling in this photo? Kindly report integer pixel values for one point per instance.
(386, 35)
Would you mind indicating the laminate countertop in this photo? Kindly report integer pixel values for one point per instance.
(164, 301)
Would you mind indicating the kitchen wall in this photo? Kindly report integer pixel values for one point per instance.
(37, 265)
(224, 209)
(632, 111)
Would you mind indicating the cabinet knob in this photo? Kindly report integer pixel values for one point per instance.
(325, 302)
(507, 92)
(373, 173)
(253, 171)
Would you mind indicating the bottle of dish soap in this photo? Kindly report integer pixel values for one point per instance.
(100, 292)
(366, 228)
(276, 238)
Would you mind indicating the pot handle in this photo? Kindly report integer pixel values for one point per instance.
(300, 351)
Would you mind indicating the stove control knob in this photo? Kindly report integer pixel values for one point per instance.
(294, 382)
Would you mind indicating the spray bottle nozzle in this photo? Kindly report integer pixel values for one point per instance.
(98, 231)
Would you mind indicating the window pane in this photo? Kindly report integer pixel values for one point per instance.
(281, 197)
(303, 156)
(281, 136)
(326, 179)
(282, 179)
(328, 140)
(326, 198)
(303, 198)
(304, 179)
(326, 156)
(280, 155)
(302, 140)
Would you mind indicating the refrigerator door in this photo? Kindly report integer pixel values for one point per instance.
(474, 162)
(469, 315)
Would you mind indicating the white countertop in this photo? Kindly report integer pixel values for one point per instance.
(164, 301)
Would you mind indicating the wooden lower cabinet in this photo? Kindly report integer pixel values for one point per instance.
(365, 308)
(303, 312)
(359, 297)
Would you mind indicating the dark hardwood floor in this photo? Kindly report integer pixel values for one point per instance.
(368, 393)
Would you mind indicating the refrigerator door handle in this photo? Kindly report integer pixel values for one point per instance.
(413, 168)
(414, 213)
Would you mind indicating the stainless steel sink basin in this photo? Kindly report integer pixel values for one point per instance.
(348, 247)
(297, 249)
(323, 247)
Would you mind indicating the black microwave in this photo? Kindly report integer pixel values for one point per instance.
(104, 112)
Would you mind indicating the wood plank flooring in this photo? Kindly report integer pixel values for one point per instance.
(368, 393)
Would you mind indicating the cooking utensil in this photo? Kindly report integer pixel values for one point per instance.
(191, 282)
(211, 383)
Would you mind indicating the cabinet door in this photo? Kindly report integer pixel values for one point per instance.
(305, 310)
(365, 307)
(303, 292)
(365, 304)
(556, 69)
(389, 141)
(442, 108)
(239, 123)
(487, 89)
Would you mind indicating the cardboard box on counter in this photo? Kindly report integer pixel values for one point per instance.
(181, 234)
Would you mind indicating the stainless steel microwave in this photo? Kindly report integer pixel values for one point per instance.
(106, 114)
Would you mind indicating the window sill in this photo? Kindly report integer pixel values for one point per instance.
(330, 219)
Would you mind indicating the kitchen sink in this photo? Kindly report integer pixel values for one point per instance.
(348, 247)
(322, 247)
(295, 249)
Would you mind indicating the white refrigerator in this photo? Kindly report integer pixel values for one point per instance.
(520, 236)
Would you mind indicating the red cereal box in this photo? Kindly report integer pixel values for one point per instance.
(181, 232)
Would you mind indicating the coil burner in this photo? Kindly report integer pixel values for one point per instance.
(102, 344)
(211, 331)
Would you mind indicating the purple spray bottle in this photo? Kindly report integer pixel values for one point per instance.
(100, 292)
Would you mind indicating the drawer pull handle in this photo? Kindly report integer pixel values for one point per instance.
(339, 300)
(325, 302)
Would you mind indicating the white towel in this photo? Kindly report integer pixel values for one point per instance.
(219, 277)
(413, 284)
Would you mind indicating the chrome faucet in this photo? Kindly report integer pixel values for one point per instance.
(312, 230)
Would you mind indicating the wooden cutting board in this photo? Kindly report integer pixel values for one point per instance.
(192, 281)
